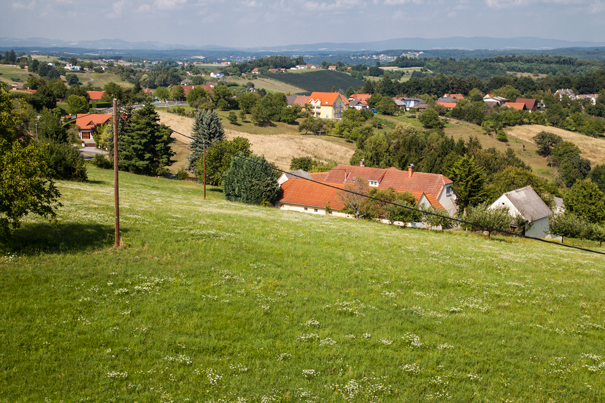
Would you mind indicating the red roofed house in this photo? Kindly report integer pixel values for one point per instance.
(363, 98)
(88, 124)
(328, 105)
(454, 96)
(95, 96)
(255, 70)
(333, 68)
(304, 195)
(530, 104)
(206, 87)
(520, 106)
(448, 105)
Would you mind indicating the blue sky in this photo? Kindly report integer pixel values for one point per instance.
(251, 23)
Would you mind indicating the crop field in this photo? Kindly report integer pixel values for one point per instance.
(270, 85)
(101, 79)
(321, 80)
(213, 301)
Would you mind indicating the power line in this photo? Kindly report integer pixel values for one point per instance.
(380, 200)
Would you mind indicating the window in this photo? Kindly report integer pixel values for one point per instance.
(306, 209)
(315, 210)
(448, 191)
(374, 183)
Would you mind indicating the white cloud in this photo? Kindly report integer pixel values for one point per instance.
(597, 7)
(337, 5)
(21, 6)
(117, 9)
(168, 4)
(400, 2)
(504, 3)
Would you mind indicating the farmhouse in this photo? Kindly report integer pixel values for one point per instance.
(526, 203)
(297, 100)
(363, 98)
(592, 97)
(255, 70)
(88, 125)
(328, 105)
(217, 74)
(491, 100)
(520, 106)
(454, 96)
(530, 104)
(95, 96)
(563, 92)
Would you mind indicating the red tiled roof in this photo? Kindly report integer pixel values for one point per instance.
(187, 88)
(301, 100)
(360, 97)
(319, 176)
(392, 177)
(327, 98)
(254, 70)
(516, 105)
(455, 96)
(308, 193)
(447, 104)
(87, 122)
(28, 91)
(529, 102)
(95, 95)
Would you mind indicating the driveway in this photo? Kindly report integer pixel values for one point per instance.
(89, 152)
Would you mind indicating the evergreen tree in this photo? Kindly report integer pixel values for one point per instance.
(368, 88)
(144, 146)
(469, 183)
(250, 180)
(206, 129)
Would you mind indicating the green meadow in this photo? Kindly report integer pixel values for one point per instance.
(213, 301)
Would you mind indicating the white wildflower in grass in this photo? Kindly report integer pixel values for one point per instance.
(311, 322)
(351, 389)
(413, 369)
(444, 347)
(284, 357)
(181, 359)
(454, 310)
(350, 336)
(389, 294)
(437, 380)
(117, 375)
(412, 340)
(306, 337)
(213, 377)
(238, 368)
(386, 342)
(472, 377)
(327, 342)
(367, 335)
(109, 283)
(309, 373)
(121, 291)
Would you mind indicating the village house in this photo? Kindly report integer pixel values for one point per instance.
(454, 96)
(492, 101)
(255, 70)
(363, 98)
(592, 97)
(69, 67)
(217, 74)
(297, 100)
(333, 68)
(95, 96)
(569, 92)
(520, 106)
(530, 103)
(206, 87)
(525, 202)
(88, 124)
(327, 105)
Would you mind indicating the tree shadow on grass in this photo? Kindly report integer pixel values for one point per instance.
(35, 239)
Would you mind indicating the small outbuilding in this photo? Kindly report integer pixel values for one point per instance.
(527, 203)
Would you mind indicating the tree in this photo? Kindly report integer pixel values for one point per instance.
(516, 178)
(250, 180)
(354, 198)
(206, 129)
(430, 119)
(288, 115)
(64, 162)
(400, 213)
(501, 136)
(248, 101)
(33, 66)
(144, 145)
(387, 106)
(496, 218)
(568, 226)
(597, 175)
(196, 96)
(25, 184)
(177, 92)
(50, 127)
(72, 79)
(58, 89)
(162, 93)
(436, 217)
(113, 90)
(545, 142)
(585, 200)
(76, 104)
(218, 159)
(469, 182)
(387, 88)
(232, 117)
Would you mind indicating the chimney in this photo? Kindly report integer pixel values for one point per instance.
(362, 163)
(410, 170)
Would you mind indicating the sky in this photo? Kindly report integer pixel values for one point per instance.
(255, 23)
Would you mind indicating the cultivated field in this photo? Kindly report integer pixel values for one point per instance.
(268, 84)
(222, 302)
(277, 148)
(12, 74)
(592, 148)
(319, 80)
(101, 79)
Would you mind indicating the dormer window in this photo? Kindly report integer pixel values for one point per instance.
(448, 191)
(374, 184)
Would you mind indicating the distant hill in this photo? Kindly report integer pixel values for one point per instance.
(321, 80)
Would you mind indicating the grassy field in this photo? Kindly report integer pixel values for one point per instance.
(268, 84)
(12, 74)
(319, 80)
(277, 146)
(222, 302)
(101, 79)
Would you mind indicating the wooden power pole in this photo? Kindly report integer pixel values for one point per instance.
(115, 171)
(204, 170)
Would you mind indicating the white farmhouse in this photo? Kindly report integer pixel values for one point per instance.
(527, 203)
(216, 74)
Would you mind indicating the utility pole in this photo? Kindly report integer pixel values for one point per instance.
(115, 171)
(204, 170)
(36, 131)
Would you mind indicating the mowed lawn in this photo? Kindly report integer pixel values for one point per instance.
(213, 301)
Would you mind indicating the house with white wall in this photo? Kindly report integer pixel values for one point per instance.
(528, 204)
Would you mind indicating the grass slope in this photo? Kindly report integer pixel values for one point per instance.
(12, 74)
(268, 84)
(222, 302)
(321, 80)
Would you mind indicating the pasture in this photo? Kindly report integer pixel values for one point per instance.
(223, 302)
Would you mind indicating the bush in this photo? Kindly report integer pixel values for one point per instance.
(182, 174)
(65, 162)
(435, 217)
(501, 136)
(101, 162)
(494, 219)
(569, 226)
(250, 181)
(232, 118)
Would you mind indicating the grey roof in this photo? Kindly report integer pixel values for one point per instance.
(447, 100)
(291, 99)
(529, 204)
(299, 174)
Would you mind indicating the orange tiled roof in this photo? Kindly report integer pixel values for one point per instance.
(25, 90)
(361, 97)
(187, 88)
(455, 96)
(447, 104)
(327, 98)
(301, 100)
(95, 95)
(516, 105)
(319, 176)
(87, 122)
(530, 103)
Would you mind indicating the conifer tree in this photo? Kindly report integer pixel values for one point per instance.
(144, 146)
(250, 180)
(469, 183)
(207, 128)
